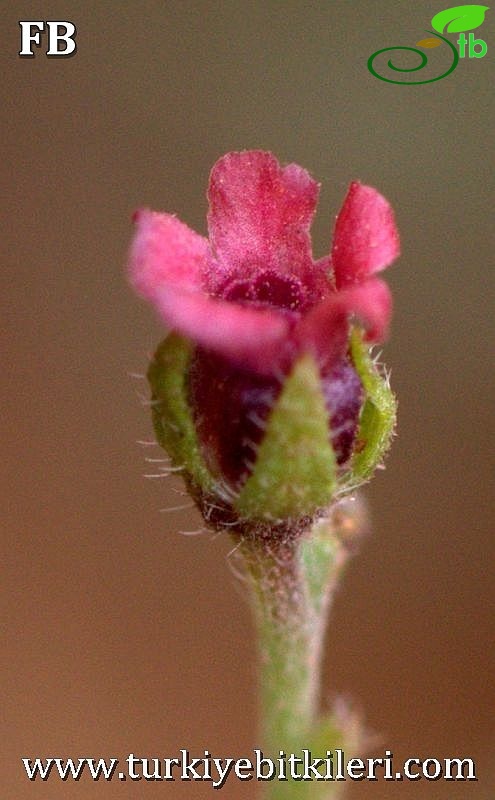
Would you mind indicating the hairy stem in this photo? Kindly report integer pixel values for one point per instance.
(293, 581)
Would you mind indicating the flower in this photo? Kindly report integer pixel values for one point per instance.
(258, 308)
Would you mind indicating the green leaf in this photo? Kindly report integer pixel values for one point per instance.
(459, 18)
(378, 416)
(172, 418)
(294, 474)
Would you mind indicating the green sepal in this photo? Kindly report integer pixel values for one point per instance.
(378, 416)
(171, 414)
(294, 473)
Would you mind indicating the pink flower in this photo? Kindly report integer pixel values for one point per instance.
(252, 291)
(251, 296)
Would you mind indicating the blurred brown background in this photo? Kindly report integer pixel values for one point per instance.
(123, 635)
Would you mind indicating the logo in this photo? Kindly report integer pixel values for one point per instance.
(61, 37)
(453, 20)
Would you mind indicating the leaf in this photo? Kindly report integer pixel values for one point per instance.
(459, 18)
(432, 42)
(294, 473)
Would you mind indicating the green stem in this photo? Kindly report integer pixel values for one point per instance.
(288, 639)
(293, 580)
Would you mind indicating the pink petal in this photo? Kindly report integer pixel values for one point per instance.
(371, 304)
(260, 215)
(164, 252)
(251, 338)
(366, 239)
(326, 328)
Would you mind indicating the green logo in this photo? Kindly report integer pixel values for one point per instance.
(453, 20)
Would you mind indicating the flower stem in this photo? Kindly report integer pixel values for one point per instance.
(287, 641)
(293, 580)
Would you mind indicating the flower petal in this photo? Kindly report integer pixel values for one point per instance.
(326, 328)
(260, 215)
(165, 251)
(371, 303)
(250, 338)
(366, 239)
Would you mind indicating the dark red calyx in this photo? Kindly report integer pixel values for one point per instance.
(231, 406)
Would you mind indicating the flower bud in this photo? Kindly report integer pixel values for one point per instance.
(265, 393)
(277, 450)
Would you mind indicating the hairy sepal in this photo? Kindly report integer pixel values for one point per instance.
(172, 419)
(378, 417)
(294, 473)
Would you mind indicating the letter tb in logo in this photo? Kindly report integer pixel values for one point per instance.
(472, 43)
(60, 40)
